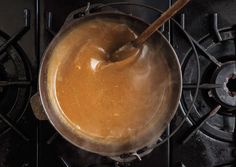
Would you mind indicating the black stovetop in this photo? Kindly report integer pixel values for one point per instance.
(205, 43)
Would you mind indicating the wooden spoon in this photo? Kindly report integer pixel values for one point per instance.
(119, 55)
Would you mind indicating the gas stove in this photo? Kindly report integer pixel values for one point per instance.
(202, 133)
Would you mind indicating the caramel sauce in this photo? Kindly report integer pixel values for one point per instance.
(107, 99)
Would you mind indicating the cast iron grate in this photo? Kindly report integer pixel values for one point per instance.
(15, 80)
(214, 107)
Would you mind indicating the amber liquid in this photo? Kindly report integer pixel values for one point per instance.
(107, 99)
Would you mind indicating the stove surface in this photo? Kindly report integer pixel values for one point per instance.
(205, 43)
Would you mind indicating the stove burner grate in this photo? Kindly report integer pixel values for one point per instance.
(214, 109)
(15, 80)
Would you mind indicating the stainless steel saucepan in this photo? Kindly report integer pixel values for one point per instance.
(112, 149)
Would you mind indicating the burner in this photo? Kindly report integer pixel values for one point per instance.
(226, 76)
(231, 85)
(217, 88)
(15, 84)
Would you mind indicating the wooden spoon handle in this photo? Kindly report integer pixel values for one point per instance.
(179, 4)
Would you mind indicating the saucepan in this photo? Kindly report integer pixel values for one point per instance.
(149, 135)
